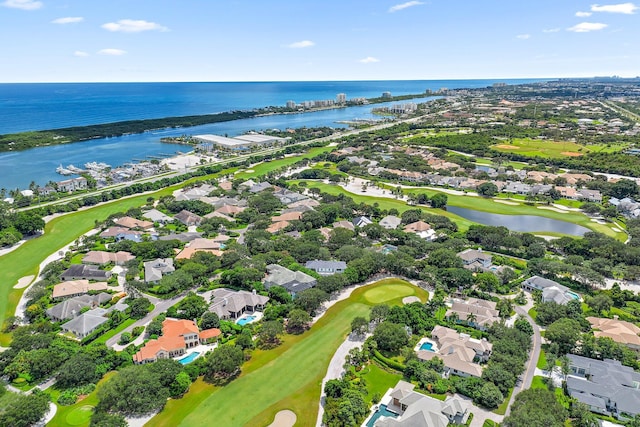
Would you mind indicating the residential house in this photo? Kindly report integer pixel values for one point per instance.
(230, 210)
(418, 410)
(291, 216)
(517, 188)
(132, 235)
(475, 259)
(551, 290)
(87, 272)
(178, 335)
(72, 307)
(420, 229)
(326, 268)
(605, 386)
(76, 288)
(113, 232)
(230, 304)
(292, 281)
(86, 323)
(457, 351)
(129, 222)
(73, 184)
(155, 215)
(590, 195)
(278, 226)
(620, 331)
(287, 197)
(477, 313)
(103, 257)
(361, 221)
(344, 224)
(154, 270)
(259, 187)
(184, 237)
(188, 253)
(390, 222)
(188, 218)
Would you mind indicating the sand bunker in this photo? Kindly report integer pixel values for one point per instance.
(571, 154)
(409, 300)
(507, 147)
(549, 208)
(23, 282)
(284, 418)
(506, 202)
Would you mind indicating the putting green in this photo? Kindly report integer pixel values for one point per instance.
(80, 416)
(388, 292)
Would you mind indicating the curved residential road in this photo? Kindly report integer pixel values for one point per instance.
(527, 376)
(160, 307)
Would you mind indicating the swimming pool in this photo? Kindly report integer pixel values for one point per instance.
(428, 346)
(381, 412)
(573, 295)
(190, 358)
(244, 320)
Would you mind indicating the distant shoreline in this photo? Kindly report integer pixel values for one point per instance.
(26, 140)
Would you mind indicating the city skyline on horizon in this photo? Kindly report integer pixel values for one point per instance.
(151, 41)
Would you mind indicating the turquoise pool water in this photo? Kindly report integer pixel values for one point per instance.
(243, 321)
(381, 412)
(428, 346)
(190, 358)
(573, 295)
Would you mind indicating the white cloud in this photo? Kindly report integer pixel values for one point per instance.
(369, 60)
(523, 36)
(133, 26)
(404, 6)
(626, 8)
(23, 4)
(112, 52)
(585, 27)
(551, 30)
(583, 14)
(68, 20)
(80, 54)
(302, 44)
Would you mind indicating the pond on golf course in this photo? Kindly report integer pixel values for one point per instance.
(522, 223)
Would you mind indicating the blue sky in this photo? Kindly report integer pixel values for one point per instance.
(267, 40)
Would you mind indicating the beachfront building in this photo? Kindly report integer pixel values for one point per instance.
(178, 335)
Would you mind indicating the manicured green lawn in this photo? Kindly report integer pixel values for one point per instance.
(541, 147)
(379, 380)
(538, 382)
(272, 165)
(78, 414)
(121, 327)
(542, 360)
(502, 409)
(262, 390)
(380, 295)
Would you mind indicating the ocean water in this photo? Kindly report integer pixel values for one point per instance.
(40, 106)
(26, 107)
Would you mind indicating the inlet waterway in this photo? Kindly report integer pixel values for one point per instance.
(522, 223)
(39, 164)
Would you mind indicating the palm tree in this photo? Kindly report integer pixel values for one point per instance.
(453, 317)
(471, 318)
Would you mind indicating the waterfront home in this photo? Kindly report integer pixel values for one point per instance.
(74, 184)
(230, 304)
(178, 335)
(154, 270)
(82, 271)
(326, 268)
(292, 281)
(605, 386)
(459, 352)
(620, 331)
(75, 288)
(418, 410)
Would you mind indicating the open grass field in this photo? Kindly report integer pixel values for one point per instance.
(266, 167)
(261, 391)
(379, 380)
(553, 149)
